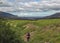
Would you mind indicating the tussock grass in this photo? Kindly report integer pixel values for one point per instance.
(42, 31)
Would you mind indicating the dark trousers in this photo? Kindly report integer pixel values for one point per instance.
(28, 38)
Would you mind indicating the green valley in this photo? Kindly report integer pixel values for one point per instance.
(42, 31)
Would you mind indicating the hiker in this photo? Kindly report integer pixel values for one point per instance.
(28, 36)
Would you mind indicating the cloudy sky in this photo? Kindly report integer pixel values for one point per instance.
(30, 7)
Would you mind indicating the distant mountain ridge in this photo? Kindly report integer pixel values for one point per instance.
(56, 15)
(10, 16)
(7, 15)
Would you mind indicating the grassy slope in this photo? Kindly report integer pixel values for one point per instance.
(41, 30)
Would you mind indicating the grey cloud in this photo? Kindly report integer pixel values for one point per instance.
(31, 5)
(40, 6)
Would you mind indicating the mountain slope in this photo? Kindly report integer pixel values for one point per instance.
(7, 15)
(56, 15)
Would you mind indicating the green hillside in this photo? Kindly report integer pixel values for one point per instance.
(42, 31)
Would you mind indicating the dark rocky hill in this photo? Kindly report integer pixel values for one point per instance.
(7, 15)
(54, 16)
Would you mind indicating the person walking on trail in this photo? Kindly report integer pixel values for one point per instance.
(28, 36)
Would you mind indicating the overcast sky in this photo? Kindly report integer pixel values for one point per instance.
(30, 6)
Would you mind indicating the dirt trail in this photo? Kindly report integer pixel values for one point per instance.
(31, 27)
(24, 36)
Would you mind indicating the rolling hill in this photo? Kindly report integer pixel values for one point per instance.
(7, 15)
(54, 16)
